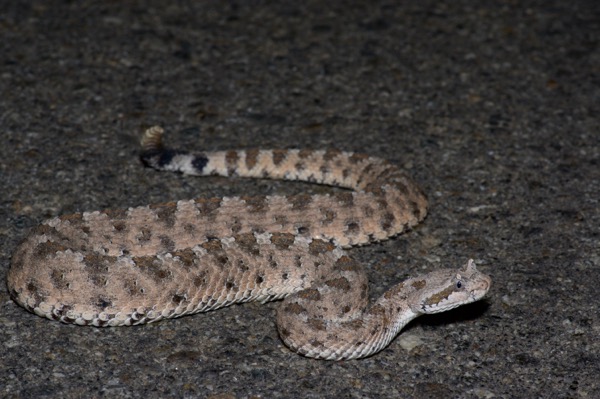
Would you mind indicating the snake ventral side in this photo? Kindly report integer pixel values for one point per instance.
(143, 264)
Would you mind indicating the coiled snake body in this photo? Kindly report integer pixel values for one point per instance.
(125, 267)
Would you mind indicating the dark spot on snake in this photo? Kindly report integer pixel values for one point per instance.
(438, 297)
(119, 226)
(96, 262)
(305, 153)
(331, 154)
(242, 265)
(419, 284)
(189, 228)
(294, 308)
(402, 188)
(43, 229)
(317, 344)
(222, 259)
(374, 331)
(251, 158)
(272, 262)
(279, 156)
(317, 247)
(395, 290)
(236, 226)
(166, 213)
(388, 173)
(248, 243)
(145, 235)
(300, 202)
(282, 241)
(346, 263)
(103, 303)
(352, 227)
(207, 206)
(186, 256)
(259, 279)
(355, 324)
(200, 280)
(212, 245)
(311, 294)
(32, 289)
(316, 324)
(256, 204)
(387, 221)
(48, 248)
(130, 287)
(302, 230)
(328, 216)
(358, 157)
(115, 214)
(147, 265)
(177, 299)
(382, 203)
(340, 283)
(367, 211)
(365, 173)
(168, 245)
(415, 209)
(281, 219)
(284, 276)
(231, 160)
(377, 310)
(165, 156)
(58, 279)
(284, 332)
(199, 162)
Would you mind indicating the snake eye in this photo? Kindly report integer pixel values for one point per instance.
(459, 284)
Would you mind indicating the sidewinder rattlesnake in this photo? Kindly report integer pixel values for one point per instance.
(140, 265)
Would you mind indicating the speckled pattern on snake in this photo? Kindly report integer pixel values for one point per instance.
(144, 264)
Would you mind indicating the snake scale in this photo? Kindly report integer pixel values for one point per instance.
(144, 264)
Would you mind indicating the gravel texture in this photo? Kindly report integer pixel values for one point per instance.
(491, 105)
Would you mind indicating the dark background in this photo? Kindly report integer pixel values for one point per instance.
(492, 106)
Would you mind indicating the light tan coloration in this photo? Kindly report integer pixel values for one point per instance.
(144, 264)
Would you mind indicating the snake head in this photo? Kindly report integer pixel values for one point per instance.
(448, 289)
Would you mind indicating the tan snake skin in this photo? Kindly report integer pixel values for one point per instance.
(125, 267)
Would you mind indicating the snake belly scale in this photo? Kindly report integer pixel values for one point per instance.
(144, 264)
